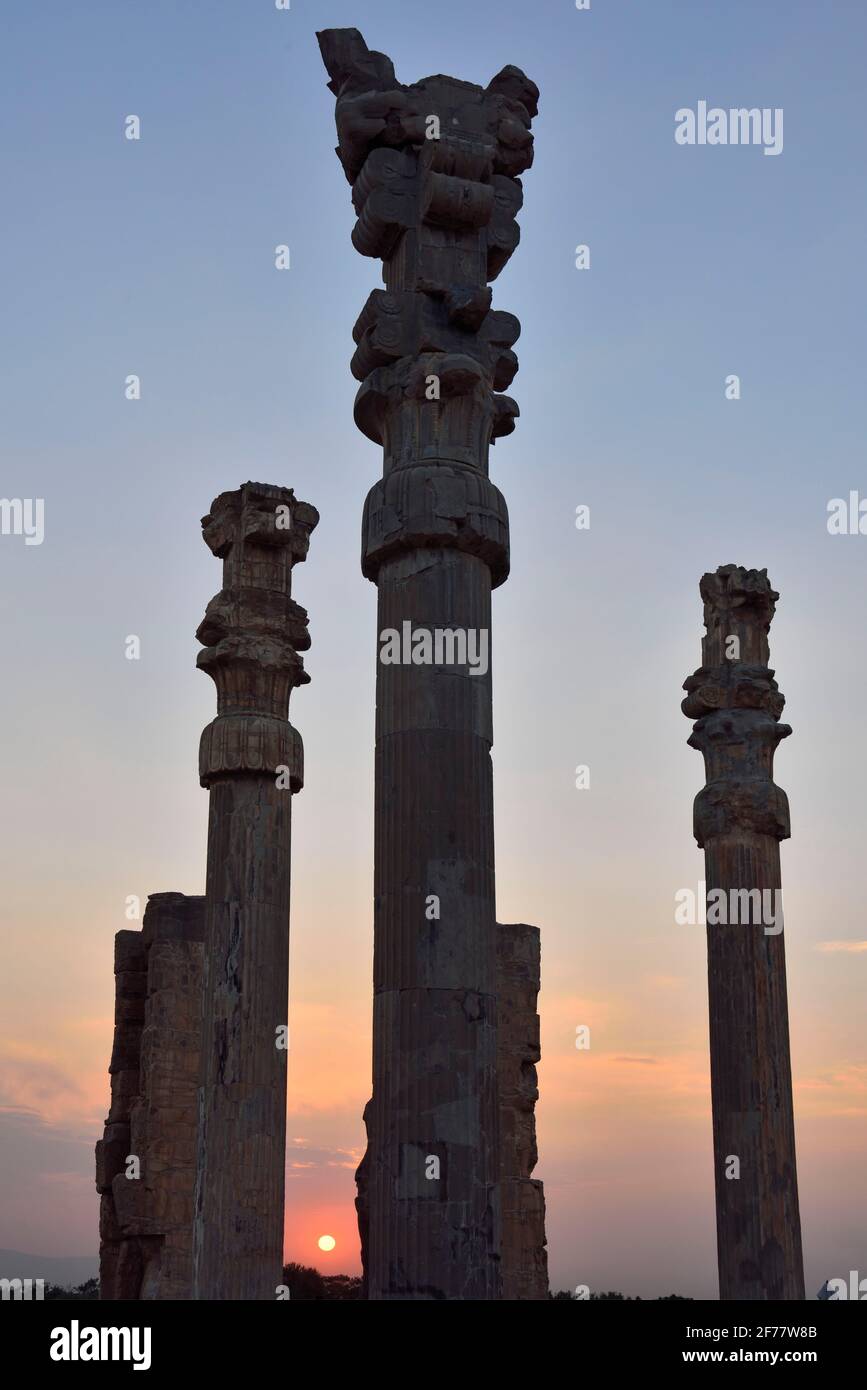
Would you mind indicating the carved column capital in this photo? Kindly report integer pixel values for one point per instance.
(253, 631)
(434, 171)
(736, 704)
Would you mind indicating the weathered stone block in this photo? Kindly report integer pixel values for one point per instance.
(154, 1075)
(522, 1203)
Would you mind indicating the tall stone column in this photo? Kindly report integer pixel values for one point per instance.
(740, 817)
(433, 168)
(251, 760)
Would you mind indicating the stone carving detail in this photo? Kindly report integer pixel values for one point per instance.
(435, 505)
(440, 212)
(737, 704)
(434, 168)
(146, 1223)
(740, 817)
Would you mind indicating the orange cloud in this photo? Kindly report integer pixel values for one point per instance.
(853, 947)
(33, 1082)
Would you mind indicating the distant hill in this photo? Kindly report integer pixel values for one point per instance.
(69, 1270)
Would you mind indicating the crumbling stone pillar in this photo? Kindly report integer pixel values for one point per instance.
(120, 1262)
(251, 760)
(146, 1220)
(740, 818)
(434, 172)
(524, 1253)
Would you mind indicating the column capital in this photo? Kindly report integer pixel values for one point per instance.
(736, 704)
(253, 631)
(434, 170)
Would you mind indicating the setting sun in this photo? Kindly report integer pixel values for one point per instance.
(326, 1242)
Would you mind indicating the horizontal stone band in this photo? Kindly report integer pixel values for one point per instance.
(437, 506)
(757, 806)
(250, 743)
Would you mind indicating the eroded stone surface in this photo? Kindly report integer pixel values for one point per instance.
(524, 1252)
(146, 1223)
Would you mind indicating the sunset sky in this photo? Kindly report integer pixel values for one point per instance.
(156, 257)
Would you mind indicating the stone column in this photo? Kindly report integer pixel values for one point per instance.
(251, 760)
(433, 168)
(740, 817)
(163, 1118)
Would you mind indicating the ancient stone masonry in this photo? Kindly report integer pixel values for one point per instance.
(740, 818)
(524, 1257)
(434, 171)
(251, 760)
(146, 1219)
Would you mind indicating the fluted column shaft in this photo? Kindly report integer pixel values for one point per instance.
(758, 1222)
(435, 1046)
(246, 988)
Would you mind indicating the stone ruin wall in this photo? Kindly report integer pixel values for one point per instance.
(524, 1258)
(145, 1224)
